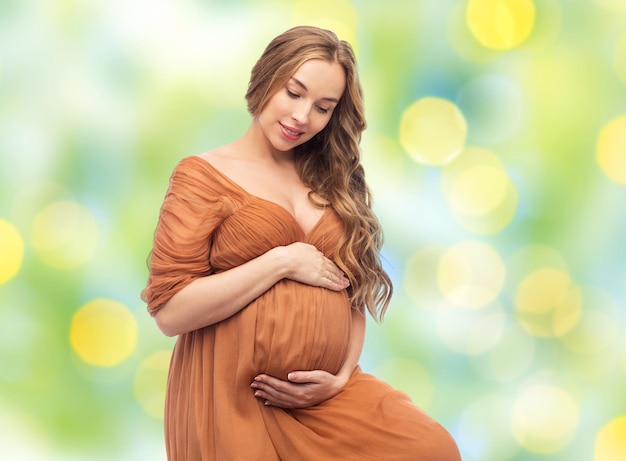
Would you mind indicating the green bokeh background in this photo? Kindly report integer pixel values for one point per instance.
(99, 100)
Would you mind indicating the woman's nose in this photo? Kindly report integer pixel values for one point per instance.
(301, 113)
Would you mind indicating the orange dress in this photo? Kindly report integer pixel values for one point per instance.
(210, 224)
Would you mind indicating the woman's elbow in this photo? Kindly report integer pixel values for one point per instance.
(165, 324)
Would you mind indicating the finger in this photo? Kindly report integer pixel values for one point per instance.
(335, 274)
(278, 399)
(287, 402)
(270, 399)
(281, 404)
(273, 398)
(270, 382)
(302, 377)
(276, 389)
(335, 282)
(267, 379)
(331, 266)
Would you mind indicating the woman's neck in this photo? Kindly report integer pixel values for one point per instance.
(254, 145)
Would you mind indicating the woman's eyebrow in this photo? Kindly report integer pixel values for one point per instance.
(303, 86)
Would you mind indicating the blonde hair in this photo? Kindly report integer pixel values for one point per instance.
(330, 162)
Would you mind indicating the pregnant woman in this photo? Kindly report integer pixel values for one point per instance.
(265, 260)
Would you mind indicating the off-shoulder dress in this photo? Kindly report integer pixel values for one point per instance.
(209, 224)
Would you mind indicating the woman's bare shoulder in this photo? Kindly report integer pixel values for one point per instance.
(221, 157)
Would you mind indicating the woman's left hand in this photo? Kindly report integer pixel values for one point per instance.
(302, 390)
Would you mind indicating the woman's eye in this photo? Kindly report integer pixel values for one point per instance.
(292, 94)
(322, 110)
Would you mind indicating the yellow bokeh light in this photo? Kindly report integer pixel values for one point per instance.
(611, 441)
(103, 332)
(479, 191)
(547, 303)
(529, 259)
(340, 16)
(461, 38)
(478, 188)
(470, 158)
(544, 418)
(65, 235)
(542, 290)
(500, 24)
(470, 274)
(598, 328)
(433, 131)
(546, 29)
(11, 251)
(611, 150)
(150, 383)
(493, 222)
(410, 377)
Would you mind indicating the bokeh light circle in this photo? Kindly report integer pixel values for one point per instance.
(500, 24)
(470, 332)
(611, 441)
(479, 190)
(611, 150)
(545, 418)
(433, 131)
(483, 429)
(494, 221)
(410, 377)
(546, 29)
(65, 234)
(462, 40)
(103, 332)
(547, 303)
(470, 274)
(11, 251)
(150, 383)
(509, 358)
(598, 327)
(542, 290)
(420, 280)
(529, 259)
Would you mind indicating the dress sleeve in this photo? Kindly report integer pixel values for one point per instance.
(191, 211)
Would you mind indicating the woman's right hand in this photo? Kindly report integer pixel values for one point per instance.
(304, 263)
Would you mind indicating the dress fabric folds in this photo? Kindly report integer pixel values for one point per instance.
(209, 224)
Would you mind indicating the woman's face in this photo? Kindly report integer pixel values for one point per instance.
(303, 107)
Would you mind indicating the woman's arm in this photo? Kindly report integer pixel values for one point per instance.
(210, 299)
(308, 388)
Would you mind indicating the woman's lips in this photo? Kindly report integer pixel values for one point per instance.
(291, 133)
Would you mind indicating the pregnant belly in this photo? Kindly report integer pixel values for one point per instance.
(299, 327)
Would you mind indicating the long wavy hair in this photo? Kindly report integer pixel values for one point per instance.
(330, 163)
